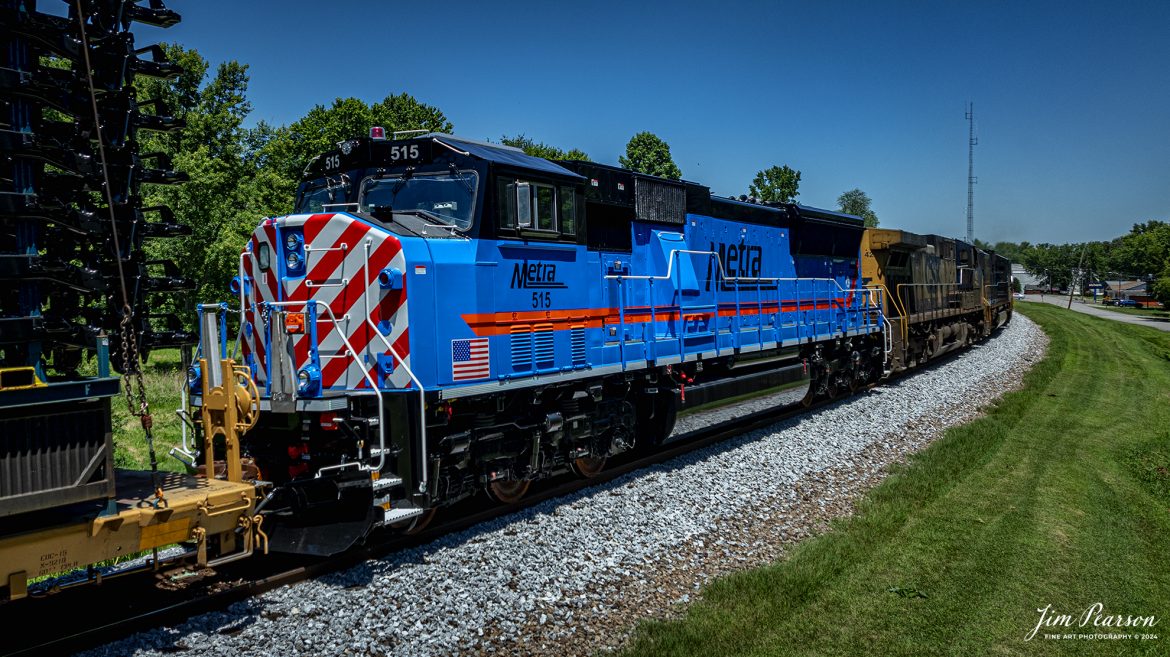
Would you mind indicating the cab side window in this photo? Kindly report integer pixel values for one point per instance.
(536, 209)
(545, 207)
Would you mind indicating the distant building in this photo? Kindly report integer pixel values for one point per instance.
(1029, 283)
(1138, 291)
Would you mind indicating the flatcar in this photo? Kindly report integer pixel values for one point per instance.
(442, 316)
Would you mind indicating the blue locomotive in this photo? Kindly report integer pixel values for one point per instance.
(442, 316)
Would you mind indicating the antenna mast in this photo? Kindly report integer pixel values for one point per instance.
(971, 179)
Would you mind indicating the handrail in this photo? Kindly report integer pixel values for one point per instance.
(422, 399)
(243, 305)
(899, 287)
(313, 249)
(867, 293)
(365, 374)
(723, 274)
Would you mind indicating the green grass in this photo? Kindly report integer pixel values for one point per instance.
(164, 379)
(1060, 495)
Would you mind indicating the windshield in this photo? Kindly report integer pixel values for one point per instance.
(449, 196)
(321, 193)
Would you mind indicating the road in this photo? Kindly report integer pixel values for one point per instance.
(1097, 311)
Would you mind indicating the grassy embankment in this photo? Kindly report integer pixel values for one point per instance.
(1059, 496)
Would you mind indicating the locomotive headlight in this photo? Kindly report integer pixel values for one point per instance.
(308, 380)
(292, 242)
(293, 261)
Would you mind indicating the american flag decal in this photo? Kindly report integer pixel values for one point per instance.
(470, 359)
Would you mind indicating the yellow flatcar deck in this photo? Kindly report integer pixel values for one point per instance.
(193, 509)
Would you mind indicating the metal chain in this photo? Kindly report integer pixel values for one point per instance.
(132, 366)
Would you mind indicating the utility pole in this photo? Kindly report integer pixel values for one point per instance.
(971, 179)
(1080, 265)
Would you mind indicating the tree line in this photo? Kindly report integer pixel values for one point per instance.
(240, 174)
(1141, 254)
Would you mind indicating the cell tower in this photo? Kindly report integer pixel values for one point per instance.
(971, 179)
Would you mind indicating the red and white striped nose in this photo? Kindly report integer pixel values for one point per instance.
(350, 288)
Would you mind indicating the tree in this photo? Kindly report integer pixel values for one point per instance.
(1054, 264)
(646, 153)
(1145, 251)
(240, 175)
(540, 149)
(1010, 250)
(856, 202)
(228, 192)
(291, 148)
(778, 184)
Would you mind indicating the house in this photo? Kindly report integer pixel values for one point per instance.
(1138, 291)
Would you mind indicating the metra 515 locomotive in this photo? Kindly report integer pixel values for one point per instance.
(442, 316)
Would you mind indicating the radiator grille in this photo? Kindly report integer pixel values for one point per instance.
(658, 201)
(521, 348)
(577, 339)
(545, 350)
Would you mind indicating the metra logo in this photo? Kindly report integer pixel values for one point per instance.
(541, 275)
(740, 261)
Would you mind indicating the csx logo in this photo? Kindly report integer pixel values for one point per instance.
(541, 275)
(740, 261)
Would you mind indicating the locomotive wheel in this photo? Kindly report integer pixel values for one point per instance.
(588, 467)
(508, 492)
(417, 523)
(810, 396)
(831, 389)
(655, 421)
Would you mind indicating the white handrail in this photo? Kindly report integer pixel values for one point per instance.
(723, 274)
(243, 305)
(365, 373)
(422, 400)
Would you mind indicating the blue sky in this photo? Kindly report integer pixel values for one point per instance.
(1072, 99)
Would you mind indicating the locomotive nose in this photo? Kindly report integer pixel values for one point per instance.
(333, 289)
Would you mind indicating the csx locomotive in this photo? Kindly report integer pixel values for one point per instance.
(442, 316)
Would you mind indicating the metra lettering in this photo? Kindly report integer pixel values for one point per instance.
(535, 275)
(740, 261)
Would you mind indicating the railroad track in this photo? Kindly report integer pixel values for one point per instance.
(88, 620)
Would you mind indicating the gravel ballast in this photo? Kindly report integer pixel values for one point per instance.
(572, 575)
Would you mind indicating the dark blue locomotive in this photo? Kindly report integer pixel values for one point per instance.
(444, 316)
